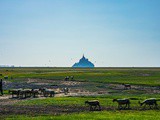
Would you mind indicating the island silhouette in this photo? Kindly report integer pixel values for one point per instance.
(84, 63)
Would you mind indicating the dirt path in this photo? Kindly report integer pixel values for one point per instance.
(35, 110)
(6, 100)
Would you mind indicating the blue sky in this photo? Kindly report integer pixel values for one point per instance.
(110, 33)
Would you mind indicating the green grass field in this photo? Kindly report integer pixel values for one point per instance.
(134, 76)
(136, 113)
(139, 76)
(103, 115)
(105, 100)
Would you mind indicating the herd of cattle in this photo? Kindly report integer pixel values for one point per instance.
(123, 103)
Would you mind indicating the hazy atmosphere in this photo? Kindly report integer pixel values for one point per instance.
(110, 33)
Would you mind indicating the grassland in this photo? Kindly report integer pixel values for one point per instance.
(139, 76)
(74, 108)
(104, 115)
(64, 108)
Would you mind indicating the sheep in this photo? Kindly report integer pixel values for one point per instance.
(72, 77)
(48, 92)
(126, 86)
(15, 92)
(5, 77)
(121, 102)
(41, 90)
(94, 103)
(150, 102)
(66, 78)
(35, 92)
(66, 90)
(25, 93)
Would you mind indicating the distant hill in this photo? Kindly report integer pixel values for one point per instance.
(6, 65)
(84, 62)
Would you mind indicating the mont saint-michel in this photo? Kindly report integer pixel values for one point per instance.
(84, 62)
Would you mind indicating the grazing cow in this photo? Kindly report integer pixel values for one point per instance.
(94, 103)
(121, 102)
(150, 102)
(126, 86)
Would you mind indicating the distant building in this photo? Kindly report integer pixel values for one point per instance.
(84, 63)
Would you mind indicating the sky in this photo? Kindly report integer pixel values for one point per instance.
(56, 33)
